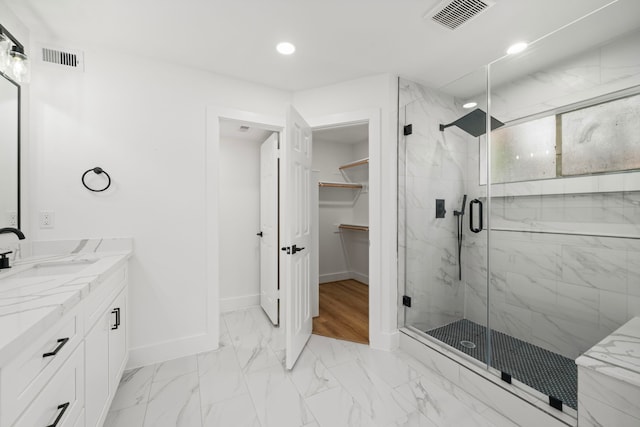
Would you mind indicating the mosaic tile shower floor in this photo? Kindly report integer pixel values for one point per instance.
(543, 370)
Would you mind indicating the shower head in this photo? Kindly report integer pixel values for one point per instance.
(474, 123)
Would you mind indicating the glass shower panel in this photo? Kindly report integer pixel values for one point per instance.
(562, 237)
(442, 263)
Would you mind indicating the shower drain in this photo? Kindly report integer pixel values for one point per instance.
(467, 344)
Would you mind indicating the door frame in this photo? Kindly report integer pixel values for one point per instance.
(372, 117)
(378, 309)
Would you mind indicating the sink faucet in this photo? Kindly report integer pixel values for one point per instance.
(4, 260)
(15, 231)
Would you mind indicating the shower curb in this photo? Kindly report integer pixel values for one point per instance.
(518, 405)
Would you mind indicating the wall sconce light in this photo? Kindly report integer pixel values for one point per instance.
(13, 61)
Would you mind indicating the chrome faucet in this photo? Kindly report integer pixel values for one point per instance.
(15, 231)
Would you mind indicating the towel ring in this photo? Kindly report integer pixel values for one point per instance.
(97, 171)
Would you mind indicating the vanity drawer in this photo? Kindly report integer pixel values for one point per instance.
(23, 378)
(62, 399)
(97, 303)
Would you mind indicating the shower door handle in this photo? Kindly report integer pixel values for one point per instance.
(474, 229)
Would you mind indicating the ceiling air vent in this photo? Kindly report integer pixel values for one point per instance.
(66, 58)
(452, 14)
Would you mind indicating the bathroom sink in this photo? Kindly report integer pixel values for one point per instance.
(55, 268)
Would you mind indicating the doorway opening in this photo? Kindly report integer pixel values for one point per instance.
(341, 171)
(248, 239)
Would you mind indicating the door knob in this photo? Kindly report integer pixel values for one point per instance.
(295, 249)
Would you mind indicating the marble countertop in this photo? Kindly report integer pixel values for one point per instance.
(618, 355)
(29, 306)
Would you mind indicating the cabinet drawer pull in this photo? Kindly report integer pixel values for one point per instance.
(116, 311)
(64, 407)
(61, 343)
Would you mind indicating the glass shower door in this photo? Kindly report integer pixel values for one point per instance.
(442, 202)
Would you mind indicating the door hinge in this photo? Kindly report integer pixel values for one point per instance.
(555, 403)
(505, 377)
(406, 301)
(408, 129)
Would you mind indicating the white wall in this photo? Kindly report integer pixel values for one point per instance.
(143, 121)
(343, 254)
(379, 93)
(240, 214)
(327, 157)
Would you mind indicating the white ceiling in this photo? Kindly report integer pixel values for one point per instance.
(230, 129)
(336, 40)
(351, 134)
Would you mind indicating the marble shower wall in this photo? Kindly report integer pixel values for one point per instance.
(432, 165)
(564, 291)
(567, 289)
(611, 67)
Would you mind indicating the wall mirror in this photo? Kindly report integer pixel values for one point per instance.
(9, 153)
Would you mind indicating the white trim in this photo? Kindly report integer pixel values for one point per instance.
(212, 192)
(362, 278)
(169, 350)
(237, 303)
(334, 277)
(377, 335)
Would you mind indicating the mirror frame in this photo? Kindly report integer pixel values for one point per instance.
(19, 157)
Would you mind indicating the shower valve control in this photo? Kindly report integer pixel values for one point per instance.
(440, 210)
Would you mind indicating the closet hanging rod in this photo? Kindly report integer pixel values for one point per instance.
(339, 185)
(354, 164)
(354, 227)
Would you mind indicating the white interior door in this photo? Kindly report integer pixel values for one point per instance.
(269, 228)
(295, 231)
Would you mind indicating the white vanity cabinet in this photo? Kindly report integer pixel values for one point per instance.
(69, 375)
(105, 346)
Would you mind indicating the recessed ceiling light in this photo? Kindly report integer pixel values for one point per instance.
(285, 48)
(516, 48)
(470, 105)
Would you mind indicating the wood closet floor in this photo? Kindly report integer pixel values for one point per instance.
(344, 311)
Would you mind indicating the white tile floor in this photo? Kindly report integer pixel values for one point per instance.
(334, 383)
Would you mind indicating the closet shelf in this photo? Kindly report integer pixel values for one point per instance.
(340, 185)
(353, 227)
(357, 171)
(357, 163)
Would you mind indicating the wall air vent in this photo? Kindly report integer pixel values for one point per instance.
(453, 13)
(72, 59)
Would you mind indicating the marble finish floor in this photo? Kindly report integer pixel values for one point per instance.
(334, 383)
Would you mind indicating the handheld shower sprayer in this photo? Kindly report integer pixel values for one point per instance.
(461, 211)
(459, 214)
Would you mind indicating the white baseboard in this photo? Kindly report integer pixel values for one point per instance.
(169, 350)
(388, 341)
(344, 275)
(362, 278)
(334, 277)
(236, 303)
